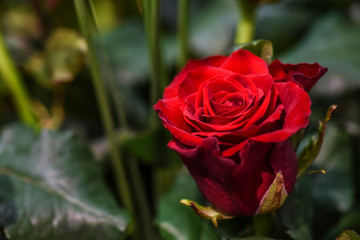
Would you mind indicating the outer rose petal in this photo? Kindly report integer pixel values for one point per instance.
(173, 120)
(283, 158)
(209, 169)
(237, 188)
(172, 89)
(249, 180)
(304, 74)
(246, 63)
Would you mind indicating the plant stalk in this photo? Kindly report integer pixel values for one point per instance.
(86, 22)
(13, 81)
(245, 30)
(183, 32)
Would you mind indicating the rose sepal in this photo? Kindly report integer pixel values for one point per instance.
(261, 48)
(311, 151)
(274, 197)
(208, 212)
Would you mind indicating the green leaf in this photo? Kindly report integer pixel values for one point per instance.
(348, 235)
(143, 145)
(310, 152)
(350, 220)
(336, 190)
(178, 222)
(297, 212)
(261, 48)
(52, 189)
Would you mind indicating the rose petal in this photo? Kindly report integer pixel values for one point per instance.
(242, 136)
(250, 179)
(283, 158)
(246, 63)
(304, 74)
(172, 89)
(173, 120)
(196, 78)
(297, 111)
(208, 168)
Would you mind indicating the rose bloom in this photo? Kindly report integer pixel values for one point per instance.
(231, 119)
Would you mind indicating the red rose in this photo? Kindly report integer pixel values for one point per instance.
(231, 119)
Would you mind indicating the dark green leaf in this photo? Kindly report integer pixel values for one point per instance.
(143, 145)
(310, 152)
(297, 212)
(261, 48)
(348, 220)
(52, 189)
(335, 190)
(179, 222)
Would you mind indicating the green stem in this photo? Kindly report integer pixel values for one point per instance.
(151, 13)
(143, 208)
(116, 96)
(246, 25)
(87, 25)
(262, 224)
(14, 83)
(154, 29)
(183, 33)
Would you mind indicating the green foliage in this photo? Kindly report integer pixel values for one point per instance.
(348, 220)
(310, 152)
(332, 42)
(52, 189)
(178, 222)
(297, 211)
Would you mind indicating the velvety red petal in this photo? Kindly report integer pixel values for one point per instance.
(173, 120)
(172, 89)
(195, 78)
(297, 105)
(304, 74)
(250, 179)
(209, 169)
(283, 158)
(246, 63)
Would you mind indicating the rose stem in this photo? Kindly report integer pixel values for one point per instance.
(183, 40)
(85, 23)
(13, 81)
(262, 224)
(246, 24)
(117, 98)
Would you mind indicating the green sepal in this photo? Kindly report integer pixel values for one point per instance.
(348, 235)
(310, 152)
(274, 197)
(262, 48)
(206, 212)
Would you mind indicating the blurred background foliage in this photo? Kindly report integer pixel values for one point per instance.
(45, 43)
